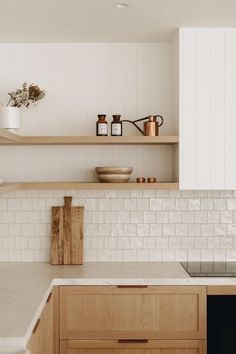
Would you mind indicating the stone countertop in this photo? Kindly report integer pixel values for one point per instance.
(24, 288)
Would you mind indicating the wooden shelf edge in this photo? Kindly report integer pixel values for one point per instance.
(7, 138)
(9, 187)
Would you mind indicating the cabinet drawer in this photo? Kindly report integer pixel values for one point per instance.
(153, 312)
(114, 347)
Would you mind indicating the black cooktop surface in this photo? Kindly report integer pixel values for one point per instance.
(210, 269)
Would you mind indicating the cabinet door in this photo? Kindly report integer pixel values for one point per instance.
(207, 108)
(42, 339)
(35, 344)
(114, 347)
(153, 312)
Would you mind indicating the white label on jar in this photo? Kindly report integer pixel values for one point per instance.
(102, 129)
(116, 129)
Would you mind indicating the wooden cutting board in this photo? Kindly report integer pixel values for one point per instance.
(67, 233)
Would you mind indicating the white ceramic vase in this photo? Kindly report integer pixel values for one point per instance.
(10, 118)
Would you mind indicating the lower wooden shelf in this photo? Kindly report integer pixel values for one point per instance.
(8, 187)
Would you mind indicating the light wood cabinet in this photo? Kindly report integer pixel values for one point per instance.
(113, 312)
(35, 344)
(207, 108)
(151, 347)
(43, 339)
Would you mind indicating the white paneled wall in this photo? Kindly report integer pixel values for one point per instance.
(125, 225)
(82, 80)
(207, 108)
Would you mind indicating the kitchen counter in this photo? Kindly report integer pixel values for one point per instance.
(24, 288)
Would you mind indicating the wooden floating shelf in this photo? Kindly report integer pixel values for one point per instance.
(9, 187)
(7, 138)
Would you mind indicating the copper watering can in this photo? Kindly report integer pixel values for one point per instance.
(150, 126)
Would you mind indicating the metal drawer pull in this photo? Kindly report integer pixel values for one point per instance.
(132, 286)
(36, 326)
(133, 340)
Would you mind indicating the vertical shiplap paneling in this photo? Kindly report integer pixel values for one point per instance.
(216, 128)
(208, 128)
(188, 109)
(203, 119)
(230, 108)
(82, 80)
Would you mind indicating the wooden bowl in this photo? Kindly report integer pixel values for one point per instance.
(116, 178)
(114, 170)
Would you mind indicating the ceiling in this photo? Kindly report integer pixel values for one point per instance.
(100, 21)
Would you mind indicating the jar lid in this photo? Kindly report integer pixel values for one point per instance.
(116, 117)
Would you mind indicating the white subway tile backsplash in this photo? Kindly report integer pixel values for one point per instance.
(188, 242)
(226, 217)
(213, 217)
(168, 204)
(130, 230)
(14, 204)
(111, 243)
(162, 242)
(200, 243)
(187, 217)
(21, 217)
(129, 255)
(149, 242)
(15, 256)
(162, 217)
(168, 230)
(121, 225)
(174, 217)
(123, 217)
(207, 230)
(206, 203)
(219, 203)
(155, 204)
(8, 217)
(130, 204)
(200, 217)
(168, 255)
(149, 217)
(143, 230)
(3, 204)
(156, 230)
(231, 229)
(143, 204)
(155, 255)
(142, 256)
(181, 204)
(15, 230)
(136, 217)
(182, 230)
(194, 204)
(231, 203)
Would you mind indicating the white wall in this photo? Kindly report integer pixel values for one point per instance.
(82, 80)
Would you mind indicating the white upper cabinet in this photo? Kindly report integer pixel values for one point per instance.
(207, 79)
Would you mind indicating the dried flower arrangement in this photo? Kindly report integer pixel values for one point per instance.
(25, 96)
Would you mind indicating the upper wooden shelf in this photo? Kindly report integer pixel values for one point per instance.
(7, 138)
(11, 187)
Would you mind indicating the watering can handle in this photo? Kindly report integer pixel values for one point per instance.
(161, 122)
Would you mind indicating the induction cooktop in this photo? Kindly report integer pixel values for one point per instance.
(210, 269)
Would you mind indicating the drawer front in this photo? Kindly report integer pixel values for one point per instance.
(154, 312)
(114, 347)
